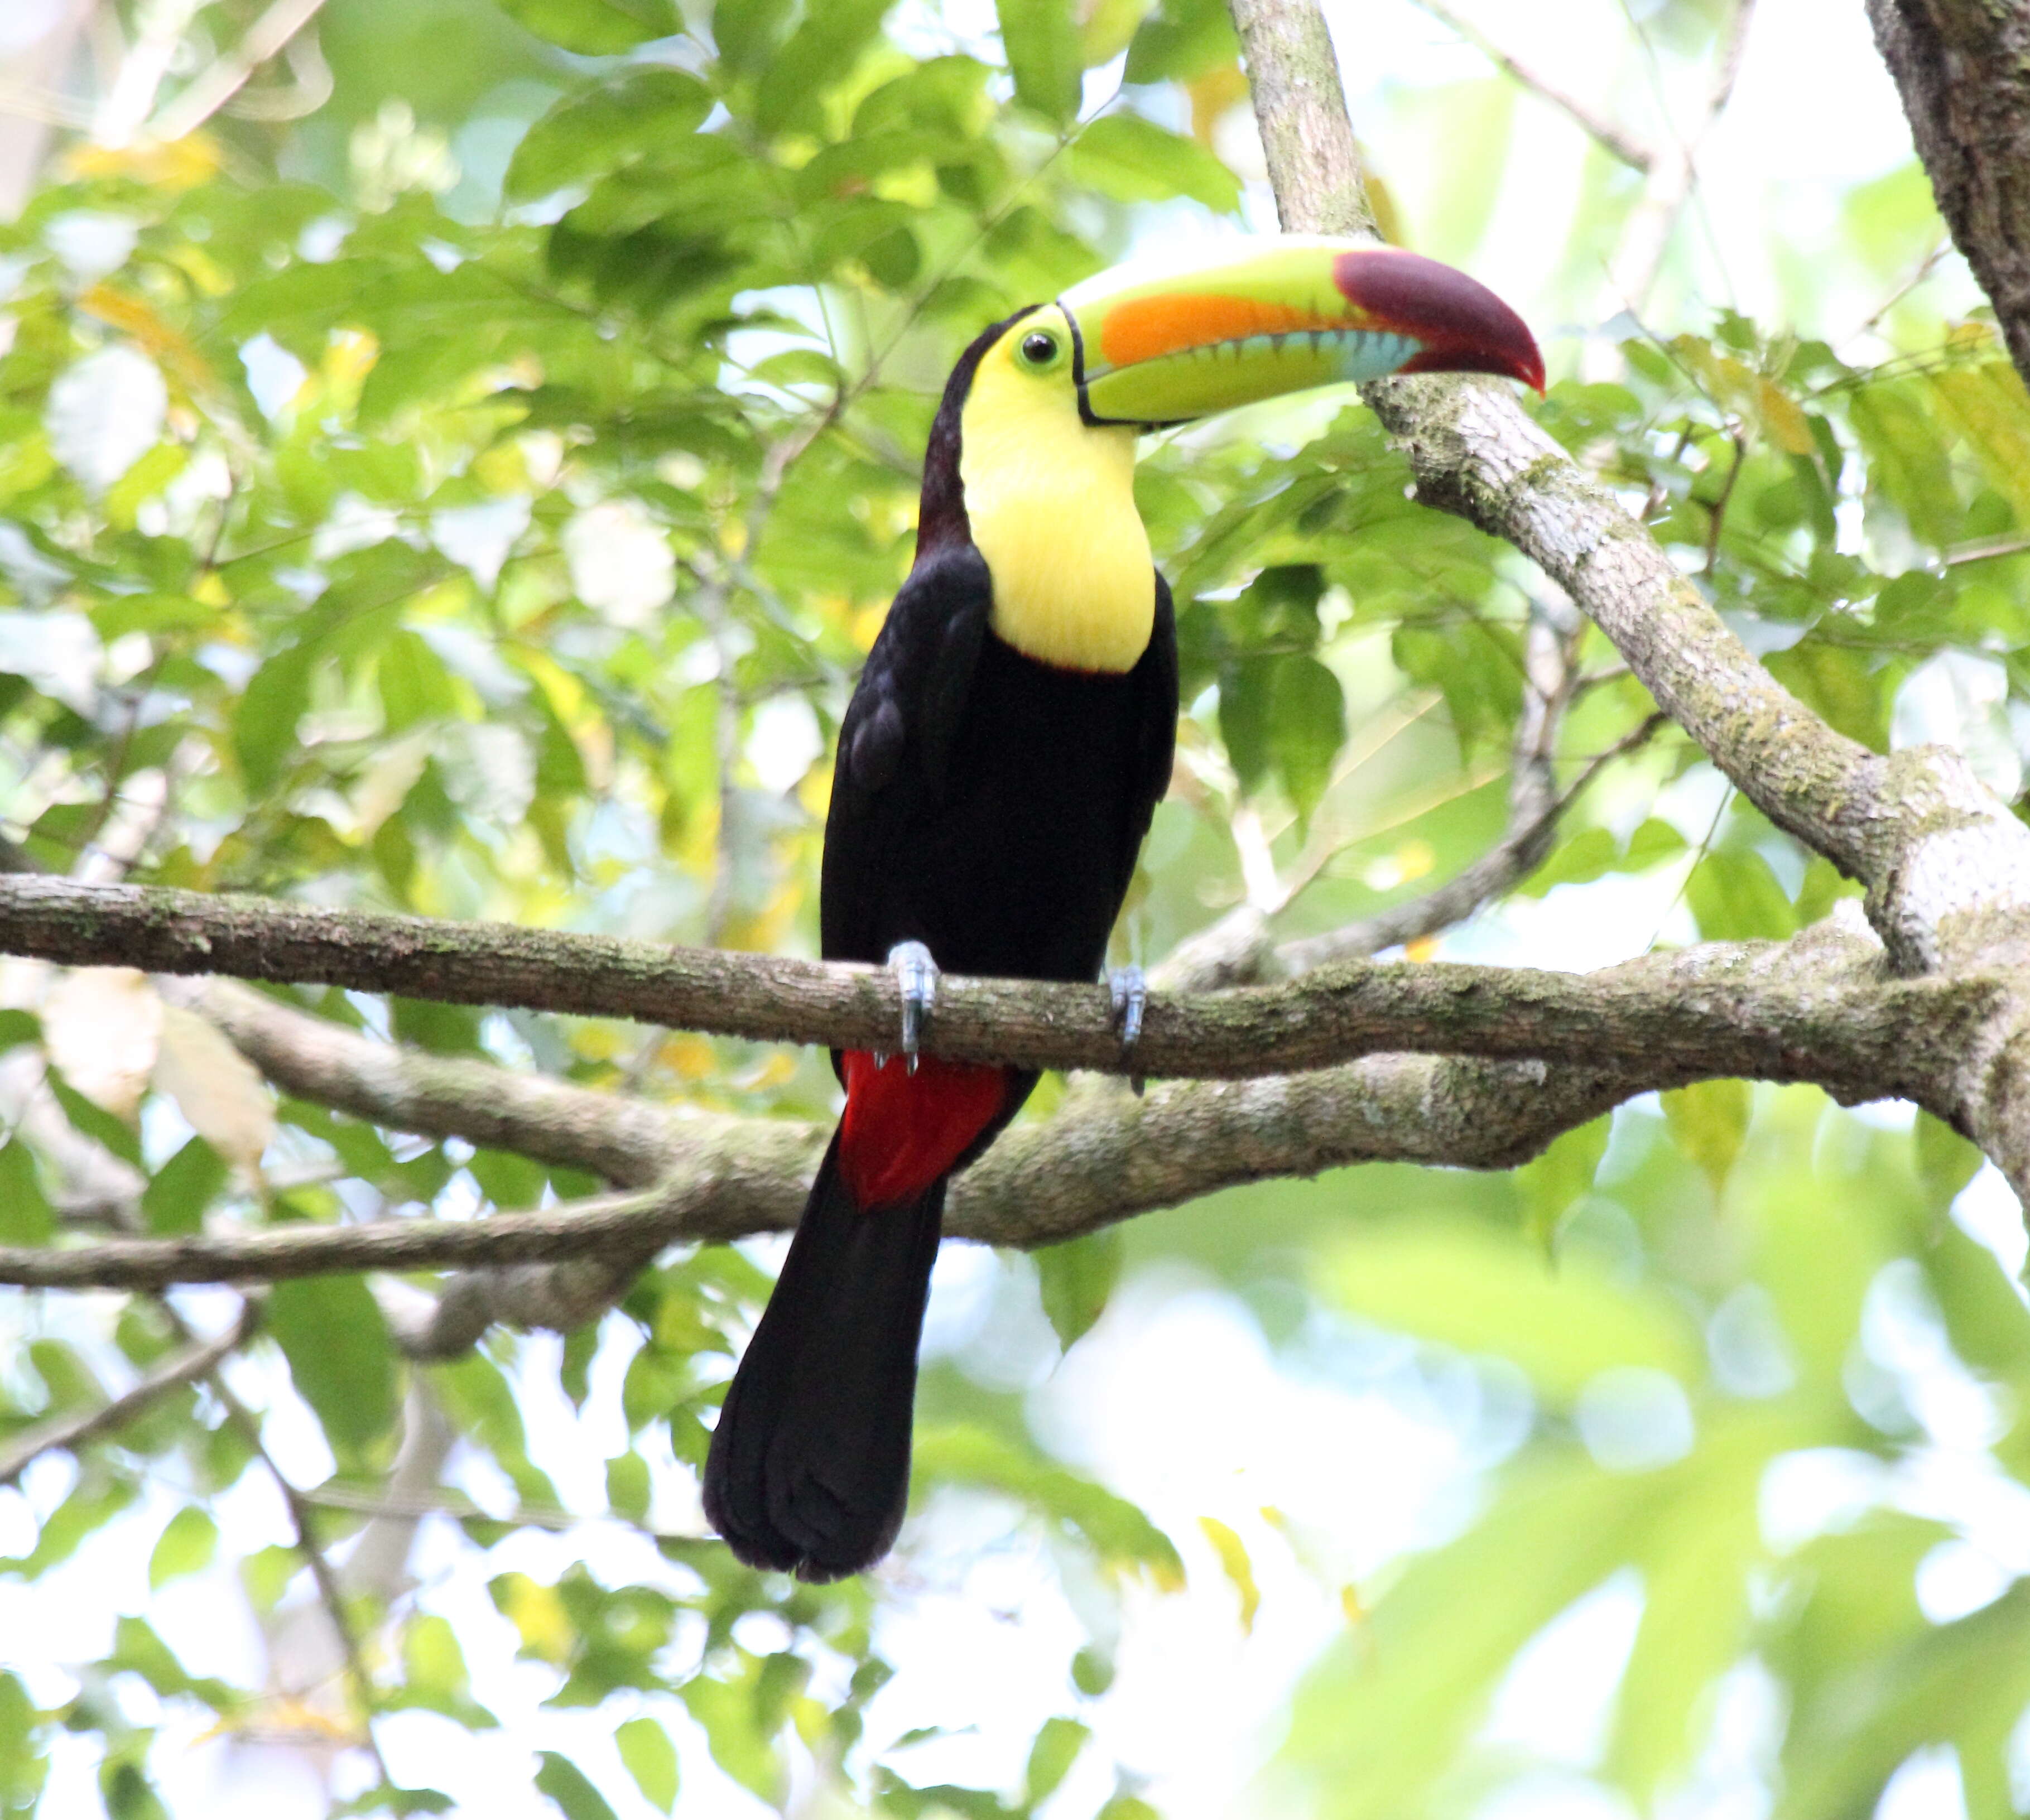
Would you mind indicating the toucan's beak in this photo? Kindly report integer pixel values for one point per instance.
(1243, 321)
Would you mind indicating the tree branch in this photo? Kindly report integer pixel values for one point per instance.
(1106, 1156)
(1947, 867)
(1759, 1023)
(1964, 73)
(179, 1373)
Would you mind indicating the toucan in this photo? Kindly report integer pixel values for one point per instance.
(998, 767)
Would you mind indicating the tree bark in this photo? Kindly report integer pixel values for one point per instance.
(1963, 69)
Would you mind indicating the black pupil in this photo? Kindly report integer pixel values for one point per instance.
(1039, 347)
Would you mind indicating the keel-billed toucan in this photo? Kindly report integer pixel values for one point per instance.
(998, 767)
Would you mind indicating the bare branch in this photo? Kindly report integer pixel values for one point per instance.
(1767, 1027)
(330, 1594)
(622, 1138)
(267, 38)
(1106, 1156)
(394, 1507)
(1613, 138)
(1671, 175)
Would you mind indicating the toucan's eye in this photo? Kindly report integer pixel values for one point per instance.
(1039, 350)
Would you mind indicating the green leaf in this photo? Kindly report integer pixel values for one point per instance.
(88, 1116)
(1553, 1183)
(186, 1546)
(1181, 41)
(1285, 714)
(824, 49)
(1735, 897)
(627, 1488)
(598, 130)
(18, 1027)
(568, 1786)
(1058, 1742)
(1699, 1563)
(1908, 463)
(651, 1759)
(1092, 1672)
(1041, 38)
(433, 1663)
(1389, 1706)
(1708, 1122)
(1984, 1312)
(332, 1331)
(174, 1202)
(1127, 1807)
(124, 1787)
(595, 27)
(264, 725)
(1480, 1290)
(1134, 160)
(25, 1217)
(1076, 1278)
(740, 1718)
(1946, 1161)
(746, 31)
(1118, 1531)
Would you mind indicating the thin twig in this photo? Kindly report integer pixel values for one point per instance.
(330, 1594)
(1716, 512)
(178, 1373)
(464, 1510)
(215, 86)
(1613, 138)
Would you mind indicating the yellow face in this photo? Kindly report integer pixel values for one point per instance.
(1051, 501)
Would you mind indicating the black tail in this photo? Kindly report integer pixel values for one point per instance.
(809, 1467)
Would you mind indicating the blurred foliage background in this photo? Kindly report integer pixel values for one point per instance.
(456, 463)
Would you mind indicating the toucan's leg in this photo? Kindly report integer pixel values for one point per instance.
(916, 979)
(1128, 987)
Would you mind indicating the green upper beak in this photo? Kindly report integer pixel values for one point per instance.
(1250, 320)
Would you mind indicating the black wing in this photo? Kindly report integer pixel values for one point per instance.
(1156, 674)
(910, 701)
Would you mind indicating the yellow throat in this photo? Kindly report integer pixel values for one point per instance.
(1051, 501)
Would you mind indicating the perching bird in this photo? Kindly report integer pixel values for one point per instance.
(997, 767)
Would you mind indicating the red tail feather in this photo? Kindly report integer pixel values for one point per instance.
(901, 1131)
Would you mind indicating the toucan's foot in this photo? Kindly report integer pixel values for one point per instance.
(916, 979)
(1128, 987)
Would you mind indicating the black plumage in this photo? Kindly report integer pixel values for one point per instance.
(990, 807)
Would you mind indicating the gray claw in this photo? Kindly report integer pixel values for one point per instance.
(916, 979)
(1128, 988)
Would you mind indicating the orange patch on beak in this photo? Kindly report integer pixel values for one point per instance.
(1147, 328)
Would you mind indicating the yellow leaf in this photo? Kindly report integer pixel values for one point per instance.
(1421, 948)
(689, 1056)
(1212, 94)
(1349, 1603)
(176, 164)
(1232, 1554)
(218, 1089)
(866, 622)
(1783, 420)
(536, 1611)
(139, 320)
